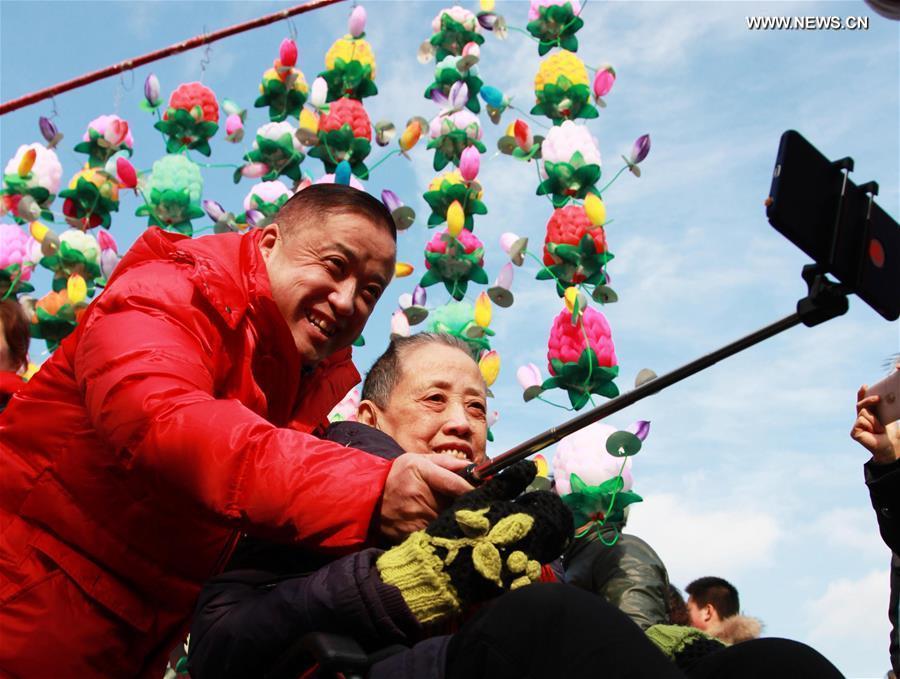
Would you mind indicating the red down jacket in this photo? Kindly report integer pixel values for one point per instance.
(176, 415)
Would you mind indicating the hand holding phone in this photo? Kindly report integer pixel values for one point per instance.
(879, 434)
(887, 409)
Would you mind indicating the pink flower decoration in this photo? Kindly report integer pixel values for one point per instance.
(567, 341)
(115, 126)
(269, 192)
(469, 163)
(107, 242)
(603, 82)
(459, 120)
(46, 171)
(458, 14)
(529, 375)
(347, 408)
(584, 453)
(469, 240)
(18, 247)
(535, 7)
(563, 141)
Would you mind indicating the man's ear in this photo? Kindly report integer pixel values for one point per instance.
(709, 613)
(268, 239)
(367, 413)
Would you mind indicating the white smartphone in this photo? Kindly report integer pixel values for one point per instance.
(888, 408)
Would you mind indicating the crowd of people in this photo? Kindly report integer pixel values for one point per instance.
(190, 482)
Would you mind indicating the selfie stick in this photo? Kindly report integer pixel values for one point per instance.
(826, 300)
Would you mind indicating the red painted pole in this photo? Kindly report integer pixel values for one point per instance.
(129, 64)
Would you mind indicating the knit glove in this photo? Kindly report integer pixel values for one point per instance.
(683, 645)
(487, 542)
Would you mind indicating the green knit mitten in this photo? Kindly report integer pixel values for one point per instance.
(487, 542)
(683, 645)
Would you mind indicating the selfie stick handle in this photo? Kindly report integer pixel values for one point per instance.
(826, 301)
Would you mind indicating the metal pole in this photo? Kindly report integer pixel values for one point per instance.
(478, 473)
(129, 64)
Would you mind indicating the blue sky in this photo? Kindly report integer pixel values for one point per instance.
(749, 472)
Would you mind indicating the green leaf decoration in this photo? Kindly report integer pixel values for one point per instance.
(430, 278)
(623, 444)
(578, 399)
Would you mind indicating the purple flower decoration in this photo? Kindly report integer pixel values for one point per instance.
(48, 129)
(391, 200)
(419, 296)
(487, 20)
(641, 429)
(255, 217)
(214, 210)
(151, 91)
(640, 149)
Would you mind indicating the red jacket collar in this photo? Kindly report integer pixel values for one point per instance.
(11, 382)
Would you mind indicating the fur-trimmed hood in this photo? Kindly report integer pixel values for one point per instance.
(735, 629)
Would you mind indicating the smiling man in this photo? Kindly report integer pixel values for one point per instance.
(177, 416)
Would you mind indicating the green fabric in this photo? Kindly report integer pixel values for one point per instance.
(673, 639)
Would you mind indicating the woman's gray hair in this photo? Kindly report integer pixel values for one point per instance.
(384, 374)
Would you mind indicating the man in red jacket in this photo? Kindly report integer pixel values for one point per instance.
(176, 416)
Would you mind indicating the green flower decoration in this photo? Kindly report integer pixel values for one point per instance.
(582, 378)
(282, 102)
(53, 329)
(454, 268)
(574, 179)
(564, 101)
(269, 210)
(440, 201)
(450, 147)
(98, 150)
(599, 505)
(452, 37)
(556, 27)
(337, 145)
(446, 75)
(14, 185)
(279, 154)
(171, 209)
(187, 130)
(458, 319)
(349, 79)
(581, 262)
(67, 261)
(85, 202)
(11, 277)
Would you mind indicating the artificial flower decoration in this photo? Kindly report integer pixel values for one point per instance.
(49, 132)
(346, 410)
(530, 379)
(55, 317)
(78, 254)
(410, 136)
(92, 196)
(277, 147)
(283, 88)
(454, 261)
(458, 319)
(262, 203)
(554, 23)
(350, 69)
(489, 363)
(174, 190)
(562, 89)
(403, 215)
(496, 102)
(105, 136)
(19, 254)
(152, 99)
(449, 188)
(191, 119)
(450, 71)
(109, 256)
(595, 484)
(451, 134)
(603, 82)
(582, 359)
(574, 250)
(571, 163)
(639, 151)
(453, 28)
(332, 179)
(345, 134)
(30, 182)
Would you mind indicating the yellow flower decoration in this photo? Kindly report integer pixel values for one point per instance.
(489, 366)
(348, 49)
(594, 209)
(299, 81)
(562, 63)
(453, 177)
(309, 121)
(96, 176)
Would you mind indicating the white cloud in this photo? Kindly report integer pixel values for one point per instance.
(695, 538)
(849, 621)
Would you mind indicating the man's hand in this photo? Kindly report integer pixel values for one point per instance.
(418, 487)
(883, 442)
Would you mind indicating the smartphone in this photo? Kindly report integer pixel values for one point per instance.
(887, 409)
(818, 208)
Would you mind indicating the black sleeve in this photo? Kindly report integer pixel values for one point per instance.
(246, 621)
(883, 481)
